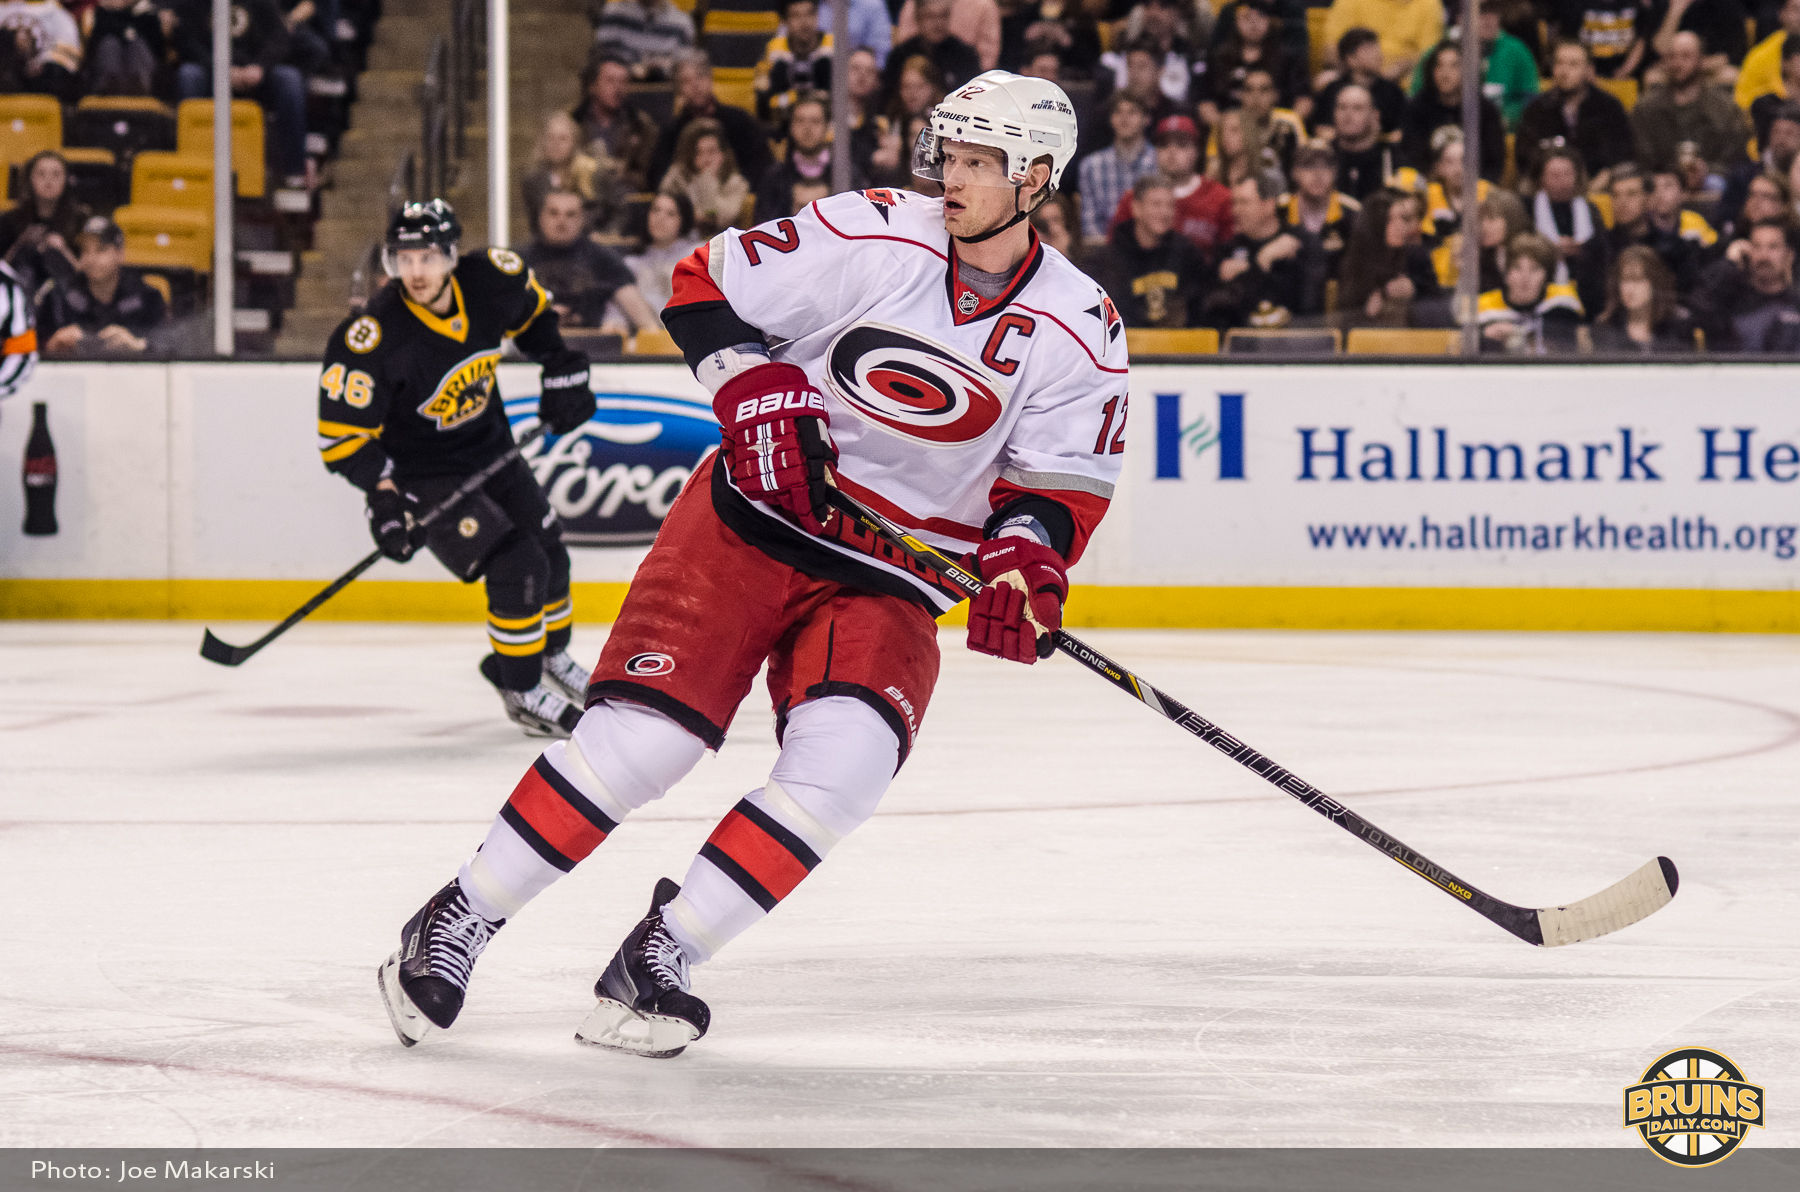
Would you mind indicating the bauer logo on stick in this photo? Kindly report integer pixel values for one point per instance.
(1693, 1106)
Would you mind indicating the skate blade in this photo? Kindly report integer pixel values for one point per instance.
(409, 1025)
(617, 1027)
(534, 727)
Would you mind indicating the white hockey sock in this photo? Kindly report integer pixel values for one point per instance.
(620, 757)
(837, 758)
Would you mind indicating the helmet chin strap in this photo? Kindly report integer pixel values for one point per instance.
(999, 228)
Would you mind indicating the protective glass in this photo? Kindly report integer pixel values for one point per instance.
(390, 261)
(967, 163)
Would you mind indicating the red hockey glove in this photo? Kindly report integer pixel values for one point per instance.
(1021, 607)
(778, 442)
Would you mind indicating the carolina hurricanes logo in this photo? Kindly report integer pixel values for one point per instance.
(912, 387)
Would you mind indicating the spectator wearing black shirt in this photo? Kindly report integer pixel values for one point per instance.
(1633, 228)
(1364, 159)
(1577, 114)
(1359, 59)
(1153, 272)
(956, 60)
(1322, 217)
(1720, 24)
(1439, 102)
(1250, 41)
(1615, 32)
(259, 70)
(125, 46)
(1642, 314)
(582, 277)
(805, 175)
(1387, 269)
(1561, 214)
(1779, 148)
(37, 233)
(1065, 29)
(1747, 302)
(694, 91)
(1261, 280)
(105, 308)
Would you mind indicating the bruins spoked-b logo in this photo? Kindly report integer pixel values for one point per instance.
(912, 387)
(463, 393)
(1693, 1106)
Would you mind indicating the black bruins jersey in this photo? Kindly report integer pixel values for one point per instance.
(406, 393)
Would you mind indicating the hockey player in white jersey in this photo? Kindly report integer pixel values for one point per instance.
(929, 356)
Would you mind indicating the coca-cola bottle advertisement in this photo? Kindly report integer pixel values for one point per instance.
(40, 475)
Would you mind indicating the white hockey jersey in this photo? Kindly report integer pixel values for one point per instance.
(946, 407)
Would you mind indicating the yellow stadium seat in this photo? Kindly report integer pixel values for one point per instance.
(125, 103)
(1623, 90)
(160, 284)
(735, 85)
(28, 124)
(653, 343)
(193, 137)
(1315, 36)
(1402, 341)
(178, 237)
(99, 157)
(1162, 341)
(173, 180)
(765, 23)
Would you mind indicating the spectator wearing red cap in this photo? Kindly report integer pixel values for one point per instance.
(1202, 206)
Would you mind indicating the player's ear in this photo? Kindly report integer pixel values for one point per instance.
(1038, 178)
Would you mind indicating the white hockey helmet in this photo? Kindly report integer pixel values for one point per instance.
(1023, 117)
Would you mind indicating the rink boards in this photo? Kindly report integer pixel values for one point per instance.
(1307, 496)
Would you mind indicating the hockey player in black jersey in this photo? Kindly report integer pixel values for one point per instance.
(409, 407)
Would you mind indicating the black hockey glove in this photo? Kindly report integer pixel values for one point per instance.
(568, 400)
(391, 523)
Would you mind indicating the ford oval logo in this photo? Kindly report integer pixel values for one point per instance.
(613, 480)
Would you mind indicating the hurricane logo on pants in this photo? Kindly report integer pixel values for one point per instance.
(912, 387)
(649, 665)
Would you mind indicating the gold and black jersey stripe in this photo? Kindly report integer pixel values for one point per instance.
(408, 391)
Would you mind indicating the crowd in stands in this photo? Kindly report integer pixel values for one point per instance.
(1252, 165)
(296, 59)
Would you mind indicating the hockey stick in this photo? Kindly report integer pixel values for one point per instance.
(1640, 894)
(226, 654)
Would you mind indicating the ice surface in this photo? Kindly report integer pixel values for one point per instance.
(1070, 923)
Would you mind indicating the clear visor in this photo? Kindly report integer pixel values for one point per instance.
(390, 256)
(959, 162)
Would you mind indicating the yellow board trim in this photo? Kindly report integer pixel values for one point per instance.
(1585, 609)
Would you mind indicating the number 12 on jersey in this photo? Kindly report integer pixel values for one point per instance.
(1117, 405)
(359, 387)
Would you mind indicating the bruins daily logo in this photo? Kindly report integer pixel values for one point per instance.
(363, 336)
(505, 260)
(912, 387)
(464, 392)
(1693, 1106)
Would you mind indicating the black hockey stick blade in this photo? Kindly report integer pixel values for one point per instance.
(222, 652)
(1637, 896)
(225, 654)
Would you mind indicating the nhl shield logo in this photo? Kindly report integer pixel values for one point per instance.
(912, 387)
(968, 302)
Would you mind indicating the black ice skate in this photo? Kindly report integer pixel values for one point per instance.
(567, 677)
(424, 982)
(645, 1007)
(541, 712)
